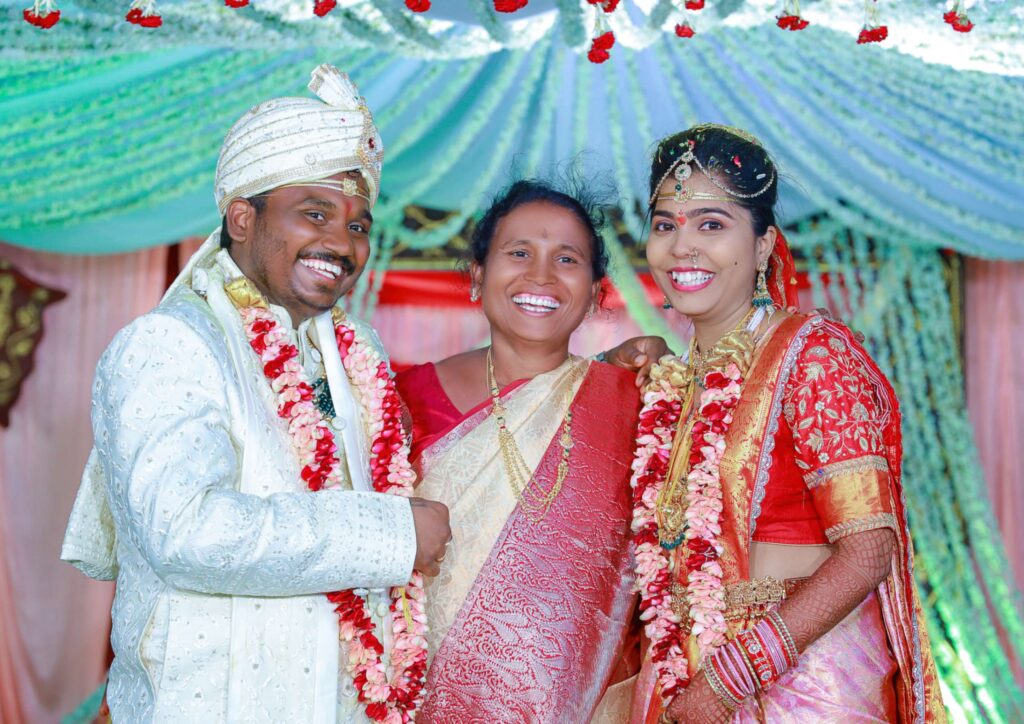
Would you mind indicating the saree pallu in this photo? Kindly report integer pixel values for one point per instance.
(846, 676)
(857, 490)
(527, 619)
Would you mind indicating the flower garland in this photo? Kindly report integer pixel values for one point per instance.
(388, 698)
(704, 591)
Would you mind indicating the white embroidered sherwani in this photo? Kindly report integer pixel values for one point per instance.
(192, 498)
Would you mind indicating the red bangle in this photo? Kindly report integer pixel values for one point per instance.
(757, 655)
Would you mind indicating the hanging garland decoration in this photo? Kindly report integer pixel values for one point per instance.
(604, 38)
(322, 7)
(684, 28)
(791, 19)
(143, 13)
(509, 6)
(872, 31)
(957, 18)
(43, 14)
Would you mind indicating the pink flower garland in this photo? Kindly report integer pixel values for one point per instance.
(395, 698)
(705, 594)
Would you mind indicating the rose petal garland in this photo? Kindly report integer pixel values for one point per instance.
(705, 593)
(395, 699)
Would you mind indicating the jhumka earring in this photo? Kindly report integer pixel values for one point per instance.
(761, 296)
(666, 304)
(474, 294)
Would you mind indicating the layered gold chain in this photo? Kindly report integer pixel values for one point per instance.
(534, 500)
(735, 347)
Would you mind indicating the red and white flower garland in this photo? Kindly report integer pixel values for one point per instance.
(705, 593)
(394, 697)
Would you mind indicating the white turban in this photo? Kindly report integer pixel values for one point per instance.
(294, 140)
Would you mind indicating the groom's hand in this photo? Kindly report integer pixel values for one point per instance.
(432, 534)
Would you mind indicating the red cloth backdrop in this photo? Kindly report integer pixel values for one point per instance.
(425, 316)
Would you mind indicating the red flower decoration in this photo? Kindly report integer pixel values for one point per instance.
(873, 35)
(694, 4)
(791, 22)
(950, 17)
(41, 21)
(417, 6)
(605, 41)
(962, 25)
(684, 30)
(150, 21)
(134, 16)
(236, 3)
(609, 5)
(322, 7)
(509, 6)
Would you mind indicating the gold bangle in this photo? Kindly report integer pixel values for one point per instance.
(730, 701)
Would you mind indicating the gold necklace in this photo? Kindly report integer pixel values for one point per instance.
(737, 347)
(534, 500)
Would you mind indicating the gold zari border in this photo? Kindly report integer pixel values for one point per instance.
(856, 465)
(872, 522)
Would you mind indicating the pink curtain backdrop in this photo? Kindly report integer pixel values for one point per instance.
(54, 622)
(994, 331)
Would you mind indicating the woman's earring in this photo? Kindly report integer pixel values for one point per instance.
(666, 304)
(474, 294)
(761, 296)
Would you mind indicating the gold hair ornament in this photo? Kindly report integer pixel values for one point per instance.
(681, 169)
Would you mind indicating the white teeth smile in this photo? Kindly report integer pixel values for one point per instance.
(691, 278)
(323, 268)
(533, 303)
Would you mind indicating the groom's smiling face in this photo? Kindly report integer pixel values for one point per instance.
(306, 247)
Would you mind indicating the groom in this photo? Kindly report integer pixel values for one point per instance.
(198, 497)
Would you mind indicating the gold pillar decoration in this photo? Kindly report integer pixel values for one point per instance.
(22, 302)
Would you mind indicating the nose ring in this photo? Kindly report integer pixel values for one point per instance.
(694, 256)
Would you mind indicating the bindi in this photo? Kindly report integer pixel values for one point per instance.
(681, 218)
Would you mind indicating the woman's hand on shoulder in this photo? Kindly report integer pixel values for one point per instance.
(638, 354)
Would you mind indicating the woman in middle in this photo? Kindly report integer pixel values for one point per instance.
(529, 447)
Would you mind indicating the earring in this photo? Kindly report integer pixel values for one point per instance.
(761, 296)
(666, 304)
(474, 294)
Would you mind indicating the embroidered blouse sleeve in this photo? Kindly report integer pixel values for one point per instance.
(837, 419)
(162, 427)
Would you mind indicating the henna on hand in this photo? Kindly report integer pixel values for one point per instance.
(859, 563)
(698, 704)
